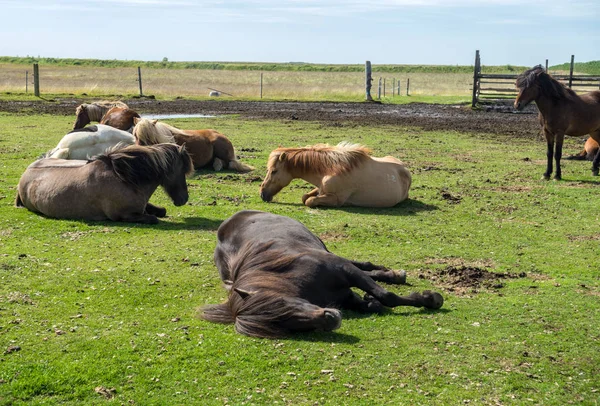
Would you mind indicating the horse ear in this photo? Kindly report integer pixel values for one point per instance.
(181, 148)
(136, 120)
(243, 293)
(282, 156)
(154, 122)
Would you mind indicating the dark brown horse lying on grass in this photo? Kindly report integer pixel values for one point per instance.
(562, 112)
(114, 186)
(282, 279)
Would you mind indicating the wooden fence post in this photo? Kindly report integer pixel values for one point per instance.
(36, 80)
(379, 89)
(398, 92)
(546, 66)
(26, 81)
(261, 84)
(476, 71)
(383, 87)
(140, 80)
(407, 86)
(368, 80)
(571, 71)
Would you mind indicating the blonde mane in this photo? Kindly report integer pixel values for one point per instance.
(321, 158)
(151, 132)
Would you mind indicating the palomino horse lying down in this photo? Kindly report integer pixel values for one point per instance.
(121, 118)
(115, 186)
(86, 113)
(344, 175)
(562, 112)
(282, 279)
(206, 147)
(89, 141)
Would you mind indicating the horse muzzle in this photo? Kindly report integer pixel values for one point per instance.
(181, 200)
(266, 196)
(333, 319)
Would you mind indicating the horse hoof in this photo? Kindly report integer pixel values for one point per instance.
(433, 300)
(546, 177)
(557, 178)
(595, 172)
(399, 277)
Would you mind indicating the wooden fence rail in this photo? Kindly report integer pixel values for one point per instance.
(489, 88)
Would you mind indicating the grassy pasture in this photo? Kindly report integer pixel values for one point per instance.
(95, 311)
(242, 84)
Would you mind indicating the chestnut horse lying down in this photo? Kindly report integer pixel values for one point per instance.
(89, 141)
(344, 175)
(282, 279)
(86, 113)
(590, 149)
(114, 186)
(121, 118)
(206, 147)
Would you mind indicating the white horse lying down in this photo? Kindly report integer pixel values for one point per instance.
(90, 141)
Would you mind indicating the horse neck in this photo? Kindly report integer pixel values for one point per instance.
(546, 105)
(95, 113)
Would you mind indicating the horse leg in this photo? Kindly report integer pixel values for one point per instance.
(218, 164)
(356, 303)
(359, 279)
(155, 210)
(312, 193)
(137, 218)
(595, 163)
(549, 153)
(380, 273)
(558, 154)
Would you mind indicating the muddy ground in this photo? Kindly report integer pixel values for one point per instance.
(501, 121)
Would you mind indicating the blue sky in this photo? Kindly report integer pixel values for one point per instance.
(318, 31)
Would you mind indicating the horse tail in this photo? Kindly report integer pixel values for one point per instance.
(239, 166)
(19, 201)
(582, 156)
(219, 313)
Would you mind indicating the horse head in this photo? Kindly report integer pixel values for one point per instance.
(82, 117)
(277, 176)
(528, 85)
(174, 182)
(272, 314)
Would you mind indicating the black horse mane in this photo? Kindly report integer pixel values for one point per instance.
(137, 164)
(257, 313)
(548, 86)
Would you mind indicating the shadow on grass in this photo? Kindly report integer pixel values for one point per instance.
(189, 223)
(409, 207)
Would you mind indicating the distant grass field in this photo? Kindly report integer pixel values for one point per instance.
(93, 311)
(280, 81)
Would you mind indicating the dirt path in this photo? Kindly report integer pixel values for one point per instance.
(425, 116)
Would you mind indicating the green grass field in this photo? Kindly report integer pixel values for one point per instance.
(92, 311)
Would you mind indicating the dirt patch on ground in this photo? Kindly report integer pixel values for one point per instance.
(426, 116)
(463, 280)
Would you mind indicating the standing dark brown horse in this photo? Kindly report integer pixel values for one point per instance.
(562, 112)
(114, 186)
(121, 118)
(282, 279)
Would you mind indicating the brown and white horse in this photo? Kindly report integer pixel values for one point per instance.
(562, 112)
(121, 118)
(206, 147)
(344, 175)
